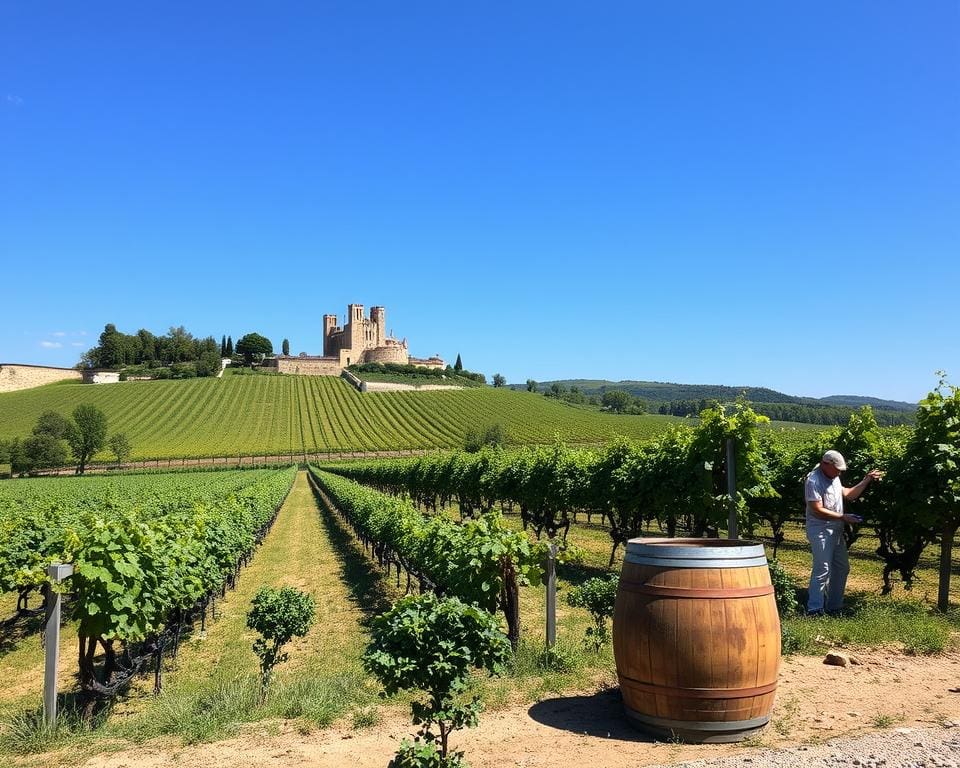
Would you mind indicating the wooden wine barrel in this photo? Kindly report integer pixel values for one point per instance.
(696, 637)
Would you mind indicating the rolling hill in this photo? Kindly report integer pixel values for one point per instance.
(658, 391)
(244, 415)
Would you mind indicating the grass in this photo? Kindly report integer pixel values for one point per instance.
(875, 622)
(268, 415)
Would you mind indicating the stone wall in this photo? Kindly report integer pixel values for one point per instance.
(310, 366)
(14, 377)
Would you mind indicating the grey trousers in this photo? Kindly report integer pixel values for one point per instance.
(828, 579)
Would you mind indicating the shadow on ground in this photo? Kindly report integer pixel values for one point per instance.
(367, 584)
(599, 715)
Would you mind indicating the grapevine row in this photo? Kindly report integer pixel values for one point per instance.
(678, 480)
(481, 562)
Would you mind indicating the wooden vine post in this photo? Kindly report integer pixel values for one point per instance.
(51, 636)
(550, 579)
(732, 531)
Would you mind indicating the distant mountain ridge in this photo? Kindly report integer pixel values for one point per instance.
(658, 391)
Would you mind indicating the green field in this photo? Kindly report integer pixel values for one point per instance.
(247, 415)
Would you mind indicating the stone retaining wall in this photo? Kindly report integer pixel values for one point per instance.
(14, 376)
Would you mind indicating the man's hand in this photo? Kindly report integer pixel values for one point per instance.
(875, 474)
(852, 519)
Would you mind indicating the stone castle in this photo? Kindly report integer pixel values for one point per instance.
(359, 340)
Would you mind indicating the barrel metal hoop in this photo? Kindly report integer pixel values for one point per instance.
(699, 725)
(672, 562)
(681, 592)
(694, 549)
(699, 693)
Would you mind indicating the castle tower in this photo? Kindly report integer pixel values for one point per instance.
(378, 317)
(329, 324)
(354, 330)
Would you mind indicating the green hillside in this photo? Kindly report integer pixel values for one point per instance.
(244, 415)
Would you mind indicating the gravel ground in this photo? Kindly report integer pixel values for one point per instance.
(896, 748)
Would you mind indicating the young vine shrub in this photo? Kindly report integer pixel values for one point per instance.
(784, 590)
(430, 644)
(278, 615)
(598, 595)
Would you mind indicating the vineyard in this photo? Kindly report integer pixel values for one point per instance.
(149, 553)
(292, 415)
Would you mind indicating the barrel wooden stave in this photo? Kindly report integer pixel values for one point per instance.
(704, 668)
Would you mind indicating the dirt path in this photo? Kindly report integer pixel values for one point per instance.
(815, 703)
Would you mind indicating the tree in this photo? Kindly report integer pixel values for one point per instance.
(531, 385)
(88, 435)
(286, 348)
(229, 346)
(431, 644)
(42, 451)
(223, 346)
(458, 366)
(616, 400)
(279, 615)
(120, 446)
(53, 424)
(110, 354)
(499, 380)
(253, 345)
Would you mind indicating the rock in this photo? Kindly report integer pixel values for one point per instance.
(837, 659)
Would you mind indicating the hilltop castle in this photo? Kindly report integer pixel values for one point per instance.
(360, 340)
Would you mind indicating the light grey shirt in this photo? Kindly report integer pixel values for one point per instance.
(819, 487)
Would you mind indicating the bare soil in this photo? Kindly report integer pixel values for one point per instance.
(815, 703)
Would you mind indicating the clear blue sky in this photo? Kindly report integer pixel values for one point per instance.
(732, 193)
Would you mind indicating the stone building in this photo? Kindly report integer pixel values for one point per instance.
(359, 340)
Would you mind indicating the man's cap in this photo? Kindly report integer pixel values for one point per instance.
(835, 458)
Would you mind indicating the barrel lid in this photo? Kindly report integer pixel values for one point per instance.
(696, 553)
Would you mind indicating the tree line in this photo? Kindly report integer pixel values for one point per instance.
(826, 415)
(175, 354)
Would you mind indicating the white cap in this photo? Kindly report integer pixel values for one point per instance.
(835, 458)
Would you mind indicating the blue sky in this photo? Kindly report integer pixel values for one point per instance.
(734, 193)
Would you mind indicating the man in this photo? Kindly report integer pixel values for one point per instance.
(824, 496)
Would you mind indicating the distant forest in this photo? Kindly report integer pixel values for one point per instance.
(690, 399)
(805, 414)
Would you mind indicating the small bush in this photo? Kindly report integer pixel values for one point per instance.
(784, 590)
(278, 615)
(598, 595)
(430, 644)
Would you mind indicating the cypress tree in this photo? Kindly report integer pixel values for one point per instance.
(286, 347)
(229, 346)
(458, 366)
(223, 346)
